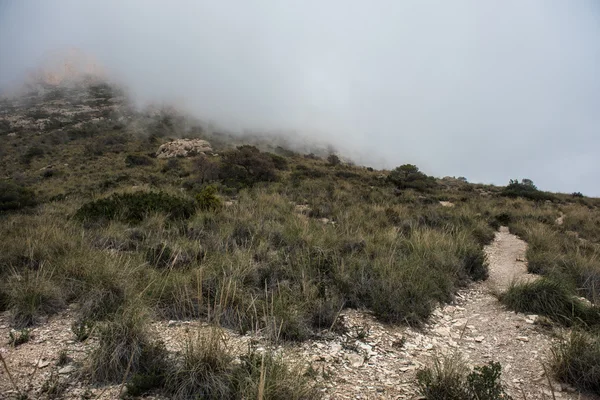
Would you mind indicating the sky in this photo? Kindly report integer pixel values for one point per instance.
(489, 90)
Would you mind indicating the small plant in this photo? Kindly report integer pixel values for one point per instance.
(450, 379)
(444, 380)
(484, 382)
(142, 383)
(81, 329)
(204, 369)
(17, 338)
(63, 358)
(208, 200)
(54, 387)
(577, 195)
(33, 294)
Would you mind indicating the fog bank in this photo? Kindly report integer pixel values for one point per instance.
(482, 89)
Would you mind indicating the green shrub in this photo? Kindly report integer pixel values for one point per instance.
(14, 197)
(278, 161)
(32, 153)
(17, 338)
(577, 361)
(31, 295)
(449, 379)
(207, 371)
(208, 200)
(204, 371)
(124, 346)
(247, 166)
(409, 176)
(303, 172)
(268, 375)
(526, 189)
(333, 160)
(134, 160)
(163, 256)
(548, 297)
(134, 207)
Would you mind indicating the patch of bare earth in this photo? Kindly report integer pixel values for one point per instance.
(370, 361)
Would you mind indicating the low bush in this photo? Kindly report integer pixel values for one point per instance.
(124, 348)
(208, 200)
(32, 153)
(279, 162)
(548, 297)
(204, 370)
(333, 160)
(577, 361)
(134, 160)
(526, 189)
(134, 207)
(267, 376)
(32, 295)
(409, 176)
(246, 166)
(303, 172)
(450, 379)
(207, 371)
(15, 197)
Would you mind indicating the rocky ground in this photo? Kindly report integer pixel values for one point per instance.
(371, 360)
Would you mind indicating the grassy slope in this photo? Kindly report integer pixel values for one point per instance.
(259, 263)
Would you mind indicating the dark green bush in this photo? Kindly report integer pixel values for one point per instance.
(247, 166)
(333, 160)
(278, 161)
(134, 207)
(14, 197)
(550, 298)
(409, 176)
(133, 160)
(31, 153)
(449, 379)
(525, 189)
(304, 172)
(208, 200)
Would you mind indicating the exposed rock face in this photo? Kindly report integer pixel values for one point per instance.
(183, 148)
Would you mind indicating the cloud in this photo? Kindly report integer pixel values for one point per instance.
(487, 90)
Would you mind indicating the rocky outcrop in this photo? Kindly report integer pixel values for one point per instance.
(183, 148)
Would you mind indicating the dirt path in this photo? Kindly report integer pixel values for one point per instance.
(506, 258)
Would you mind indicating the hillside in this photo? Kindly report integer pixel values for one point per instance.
(259, 267)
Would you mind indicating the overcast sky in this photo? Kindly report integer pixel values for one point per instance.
(489, 90)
